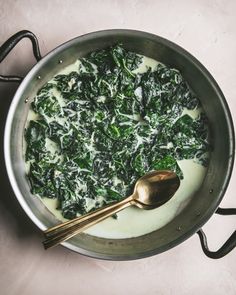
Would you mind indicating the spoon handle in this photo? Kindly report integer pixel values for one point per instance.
(67, 230)
(52, 231)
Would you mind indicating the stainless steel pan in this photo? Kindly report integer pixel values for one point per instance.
(202, 205)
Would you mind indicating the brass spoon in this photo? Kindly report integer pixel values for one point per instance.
(151, 191)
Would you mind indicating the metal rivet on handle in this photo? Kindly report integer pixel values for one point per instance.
(60, 61)
(26, 100)
(211, 191)
(178, 228)
(39, 77)
(198, 213)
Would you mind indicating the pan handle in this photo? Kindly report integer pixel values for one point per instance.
(228, 246)
(10, 44)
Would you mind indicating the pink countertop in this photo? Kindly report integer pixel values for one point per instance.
(207, 29)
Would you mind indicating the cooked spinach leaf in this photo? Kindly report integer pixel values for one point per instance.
(105, 124)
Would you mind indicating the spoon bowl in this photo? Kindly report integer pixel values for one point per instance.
(155, 188)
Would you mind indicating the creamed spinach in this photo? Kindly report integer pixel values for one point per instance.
(105, 124)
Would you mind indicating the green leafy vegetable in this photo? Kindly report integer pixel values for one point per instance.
(105, 124)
